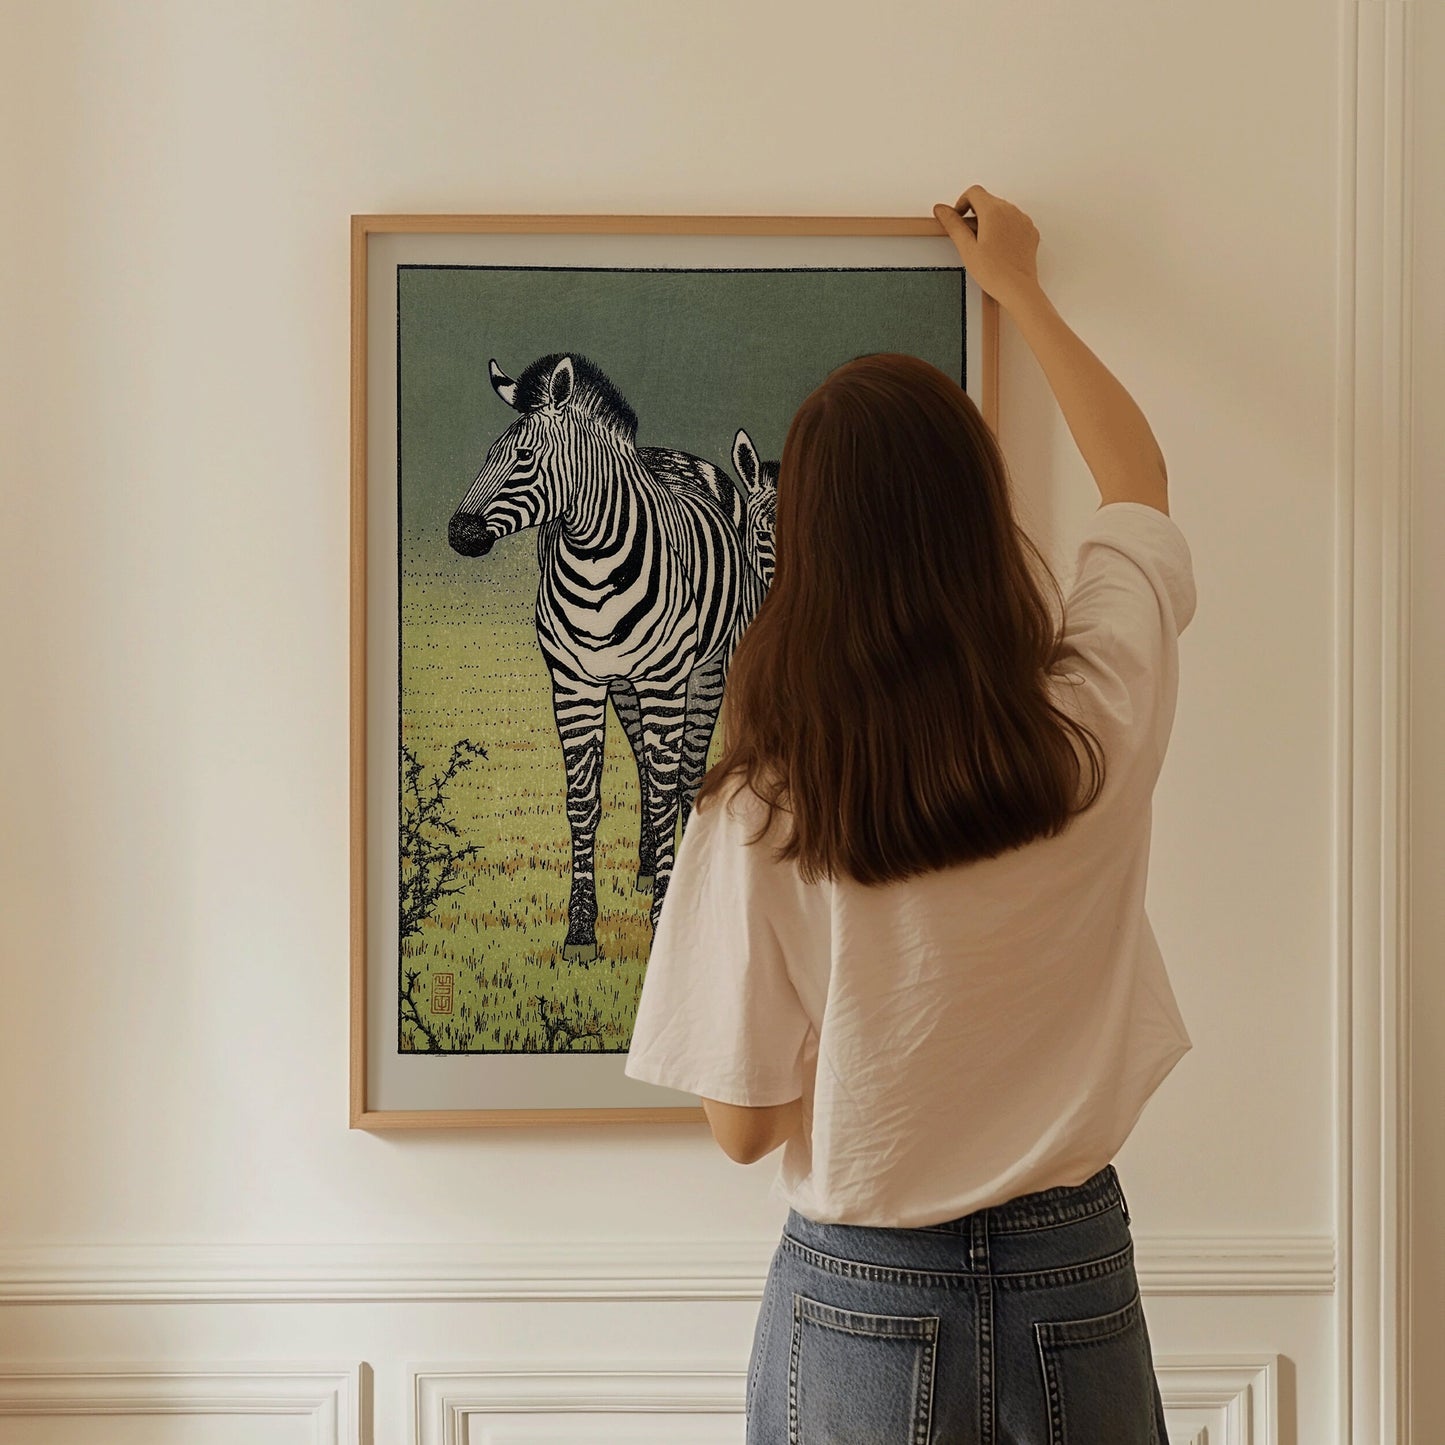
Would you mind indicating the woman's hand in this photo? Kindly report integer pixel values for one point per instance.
(998, 244)
(1112, 434)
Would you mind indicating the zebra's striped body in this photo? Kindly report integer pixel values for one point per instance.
(683, 470)
(753, 511)
(642, 579)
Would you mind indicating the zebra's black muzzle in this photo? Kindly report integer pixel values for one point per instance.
(468, 535)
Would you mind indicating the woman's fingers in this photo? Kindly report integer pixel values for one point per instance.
(972, 196)
(958, 229)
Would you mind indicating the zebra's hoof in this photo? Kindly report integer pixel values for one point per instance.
(579, 952)
(644, 882)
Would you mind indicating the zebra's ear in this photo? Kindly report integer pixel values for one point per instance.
(502, 384)
(561, 382)
(745, 459)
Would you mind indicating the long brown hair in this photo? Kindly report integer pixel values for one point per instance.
(890, 695)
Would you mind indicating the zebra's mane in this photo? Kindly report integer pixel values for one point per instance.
(593, 391)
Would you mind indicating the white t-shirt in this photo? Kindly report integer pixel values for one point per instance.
(967, 1035)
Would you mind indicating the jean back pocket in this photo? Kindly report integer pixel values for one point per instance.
(856, 1378)
(1099, 1378)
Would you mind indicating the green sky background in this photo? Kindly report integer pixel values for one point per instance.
(697, 354)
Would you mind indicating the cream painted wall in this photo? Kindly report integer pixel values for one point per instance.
(173, 923)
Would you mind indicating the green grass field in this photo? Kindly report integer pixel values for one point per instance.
(471, 668)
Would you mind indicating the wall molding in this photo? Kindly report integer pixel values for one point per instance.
(576, 1270)
(1372, 765)
(1225, 1399)
(444, 1397)
(329, 1395)
(1229, 1399)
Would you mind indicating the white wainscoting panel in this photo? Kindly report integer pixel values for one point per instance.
(323, 1403)
(1221, 1399)
(457, 1405)
(1209, 1400)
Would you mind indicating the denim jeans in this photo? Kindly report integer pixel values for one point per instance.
(1018, 1324)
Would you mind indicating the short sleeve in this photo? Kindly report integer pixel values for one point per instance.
(1133, 594)
(719, 1016)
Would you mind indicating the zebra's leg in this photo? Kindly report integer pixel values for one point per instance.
(663, 702)
(580, 706)
(624, 704)
(704, 698)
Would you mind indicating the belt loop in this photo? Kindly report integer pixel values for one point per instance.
(978, 1240)
(1123, 1203)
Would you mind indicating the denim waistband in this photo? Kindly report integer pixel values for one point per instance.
(1045, 1207)
(1038, 1210)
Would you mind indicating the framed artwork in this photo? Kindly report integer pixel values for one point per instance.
(564, 451)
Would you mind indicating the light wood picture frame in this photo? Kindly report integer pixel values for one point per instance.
(684, 306)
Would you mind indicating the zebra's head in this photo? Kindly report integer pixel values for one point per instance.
(567, 410)
(760, 484)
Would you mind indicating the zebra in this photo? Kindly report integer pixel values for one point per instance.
(760, 482)
(704, 698)
(641, 582)
(753, 517)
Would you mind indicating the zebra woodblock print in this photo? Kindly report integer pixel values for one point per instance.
(586, 489)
